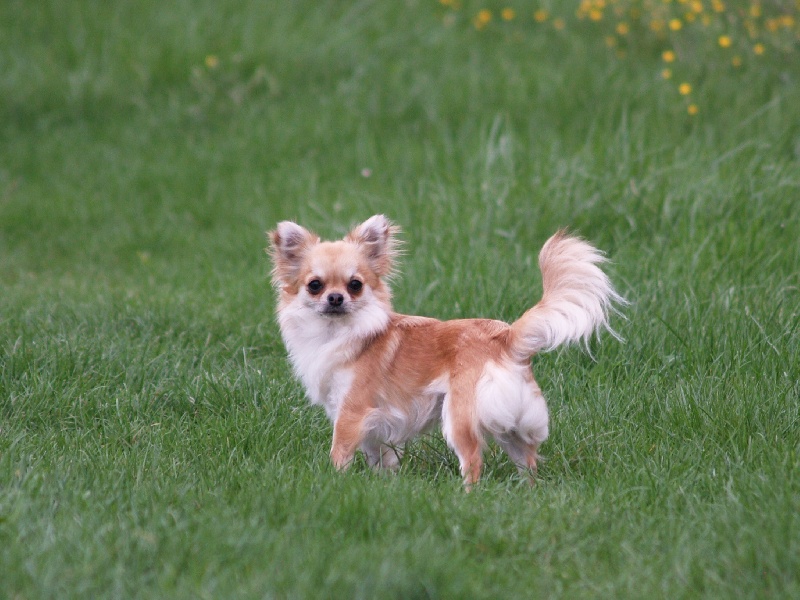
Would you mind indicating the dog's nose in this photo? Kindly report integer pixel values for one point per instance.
(335, 299)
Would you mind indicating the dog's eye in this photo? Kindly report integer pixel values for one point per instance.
(354, 286)
(314, 286)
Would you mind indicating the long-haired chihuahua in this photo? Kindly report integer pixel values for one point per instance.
(383, 377)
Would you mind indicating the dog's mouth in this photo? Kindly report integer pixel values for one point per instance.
(334, 311)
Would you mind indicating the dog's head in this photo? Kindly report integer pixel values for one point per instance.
(334, 280)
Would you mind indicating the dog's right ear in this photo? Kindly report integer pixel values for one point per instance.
(289, 244)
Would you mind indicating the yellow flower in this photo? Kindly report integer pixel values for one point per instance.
(755, 11)
(758, 49)
(656, 25)
(596, 14)
(559, 23)
(668, 56)
(684, 89)
(611, 41)
(212, 61)
(623, 29)
(692, 109)
(540, 16)
(675, 24)
(666, 74)
(697, 6)
(482, 19)
(725, 41)
(508, 14)
(718, 6)
(736, 61)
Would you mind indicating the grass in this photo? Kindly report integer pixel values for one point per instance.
(153, 442)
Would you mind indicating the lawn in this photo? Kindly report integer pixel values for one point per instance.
(153, 441)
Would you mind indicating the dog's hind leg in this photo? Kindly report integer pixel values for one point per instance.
(381, 456)
(523, 454)
(460, 428)
(512, 409)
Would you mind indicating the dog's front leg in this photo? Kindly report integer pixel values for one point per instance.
(348, 433)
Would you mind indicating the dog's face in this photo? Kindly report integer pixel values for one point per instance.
(333, 280)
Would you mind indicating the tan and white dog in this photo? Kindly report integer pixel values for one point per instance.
(384, 377)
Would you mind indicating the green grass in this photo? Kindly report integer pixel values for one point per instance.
(153, 442)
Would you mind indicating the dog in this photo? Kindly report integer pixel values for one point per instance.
(383, 377)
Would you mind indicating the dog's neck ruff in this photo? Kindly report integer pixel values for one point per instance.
(321, 346)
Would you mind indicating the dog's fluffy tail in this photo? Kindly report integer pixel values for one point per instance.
(577, 298)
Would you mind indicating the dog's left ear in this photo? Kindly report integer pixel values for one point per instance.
(376, 236)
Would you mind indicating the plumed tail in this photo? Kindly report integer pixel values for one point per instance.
(577, 298)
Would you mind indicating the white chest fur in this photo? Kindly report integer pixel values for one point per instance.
(321, 349)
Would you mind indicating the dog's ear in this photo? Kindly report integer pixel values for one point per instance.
(376, 238)
(289, 244)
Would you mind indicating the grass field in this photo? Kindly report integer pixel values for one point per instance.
(153, 442)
